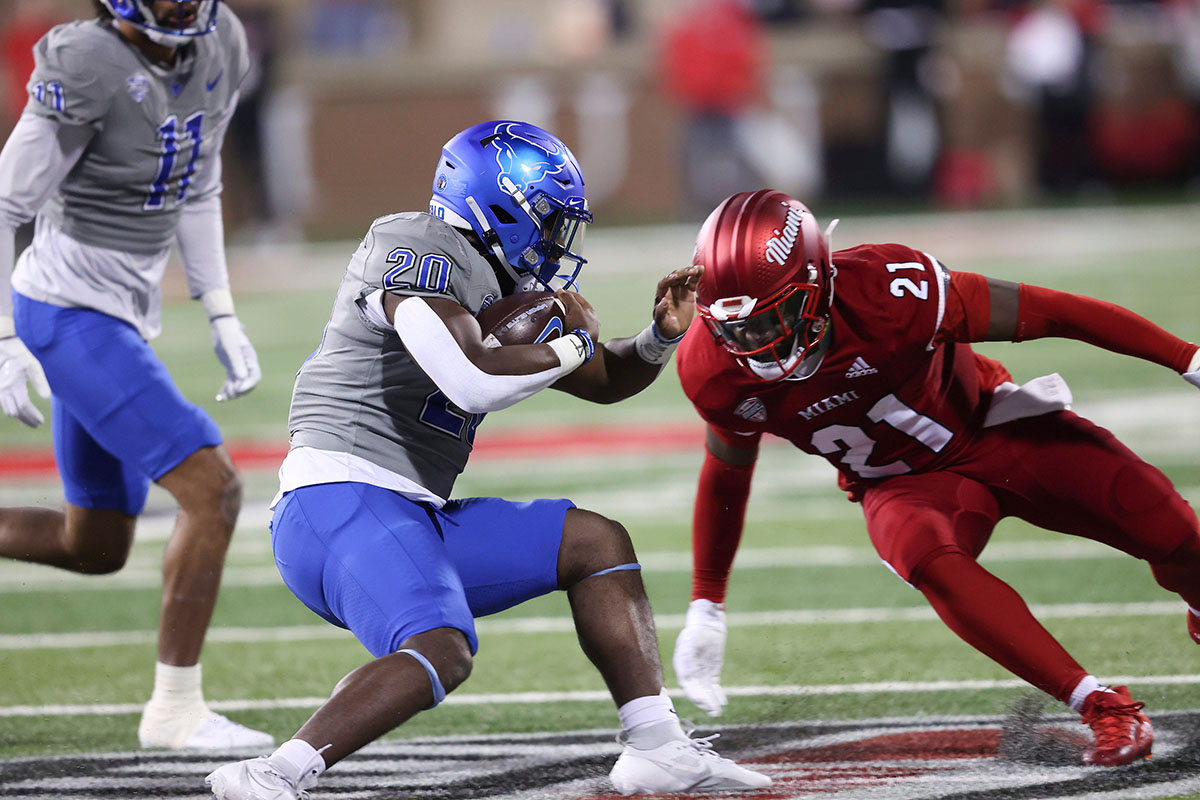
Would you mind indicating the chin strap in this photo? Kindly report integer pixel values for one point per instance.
(833, 223)
(491, 238)
(829, 246)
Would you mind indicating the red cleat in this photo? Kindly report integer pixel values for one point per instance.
(1123, 733)
(1194, 626)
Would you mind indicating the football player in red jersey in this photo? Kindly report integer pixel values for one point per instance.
(864, 357)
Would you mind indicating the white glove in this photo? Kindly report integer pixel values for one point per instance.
(1192, 376)
(17, 366)
(236, 355)
(699, 652)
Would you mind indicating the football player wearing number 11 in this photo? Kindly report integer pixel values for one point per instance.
(382, 420)
(118, 155)
(863, 356)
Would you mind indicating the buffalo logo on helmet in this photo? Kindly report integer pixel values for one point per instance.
(524, 162)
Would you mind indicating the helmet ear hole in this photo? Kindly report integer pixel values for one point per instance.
(502, 216)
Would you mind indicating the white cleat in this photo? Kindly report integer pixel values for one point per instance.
(206, 731)
(680, 765)
(256, 779)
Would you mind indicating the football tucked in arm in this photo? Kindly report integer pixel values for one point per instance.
(523, 318)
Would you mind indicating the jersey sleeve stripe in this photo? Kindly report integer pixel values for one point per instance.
(941, 280)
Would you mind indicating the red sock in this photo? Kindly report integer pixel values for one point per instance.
(991, 617)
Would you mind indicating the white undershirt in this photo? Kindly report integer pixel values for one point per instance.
(310, 466)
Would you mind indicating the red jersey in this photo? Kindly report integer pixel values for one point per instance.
(889, 398)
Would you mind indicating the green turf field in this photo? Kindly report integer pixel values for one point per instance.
(819, 629)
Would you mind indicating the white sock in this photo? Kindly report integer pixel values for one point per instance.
(296, 759)
(642, 712)
(176, 687)
(650, 721)
(1085, 687)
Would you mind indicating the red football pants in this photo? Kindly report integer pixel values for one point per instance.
(1057, 471)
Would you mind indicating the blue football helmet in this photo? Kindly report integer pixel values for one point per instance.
(190, 18)
(520, 190)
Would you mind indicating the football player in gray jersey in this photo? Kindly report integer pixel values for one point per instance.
(117, 155)
(382, 420)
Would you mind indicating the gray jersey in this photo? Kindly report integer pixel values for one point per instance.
(361, 392)
(157, 129)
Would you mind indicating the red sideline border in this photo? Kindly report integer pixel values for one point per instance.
(559, 442)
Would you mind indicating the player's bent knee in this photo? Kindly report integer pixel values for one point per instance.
(445, 656)
(97, 541)
(931, 572)
(206, 482)
(102, 562)
(591, 544)
(453, 672)
(230, 497)
(1180, 570)
(435, 681)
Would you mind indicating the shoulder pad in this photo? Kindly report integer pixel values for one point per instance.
(233, 36)
(77, 69)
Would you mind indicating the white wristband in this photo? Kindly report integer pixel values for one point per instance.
(571, 350)
(217, 303)
(652, 347)
(1192, 367)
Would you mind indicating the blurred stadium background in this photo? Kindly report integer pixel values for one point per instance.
(1053, 142)
(673, 104)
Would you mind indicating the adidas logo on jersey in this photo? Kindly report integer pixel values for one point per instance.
(859, 368)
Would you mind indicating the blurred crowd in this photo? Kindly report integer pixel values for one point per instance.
(959, 103)
(1101, 110)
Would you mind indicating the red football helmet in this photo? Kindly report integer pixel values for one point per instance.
(768, 280)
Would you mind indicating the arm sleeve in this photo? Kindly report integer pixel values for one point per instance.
(37, 156)
(435, 350)
(201, 239)
(1046, 312)
(717, 521)
(201, 231)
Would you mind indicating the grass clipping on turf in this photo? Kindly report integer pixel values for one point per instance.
(1028, 737)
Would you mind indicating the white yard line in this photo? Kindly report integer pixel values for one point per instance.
(536, 625)
(523, 698)
(143, 571)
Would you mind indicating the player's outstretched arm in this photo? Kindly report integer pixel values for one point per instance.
(446, 342)
(717, 521)
(624, 367)
(987, 309)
